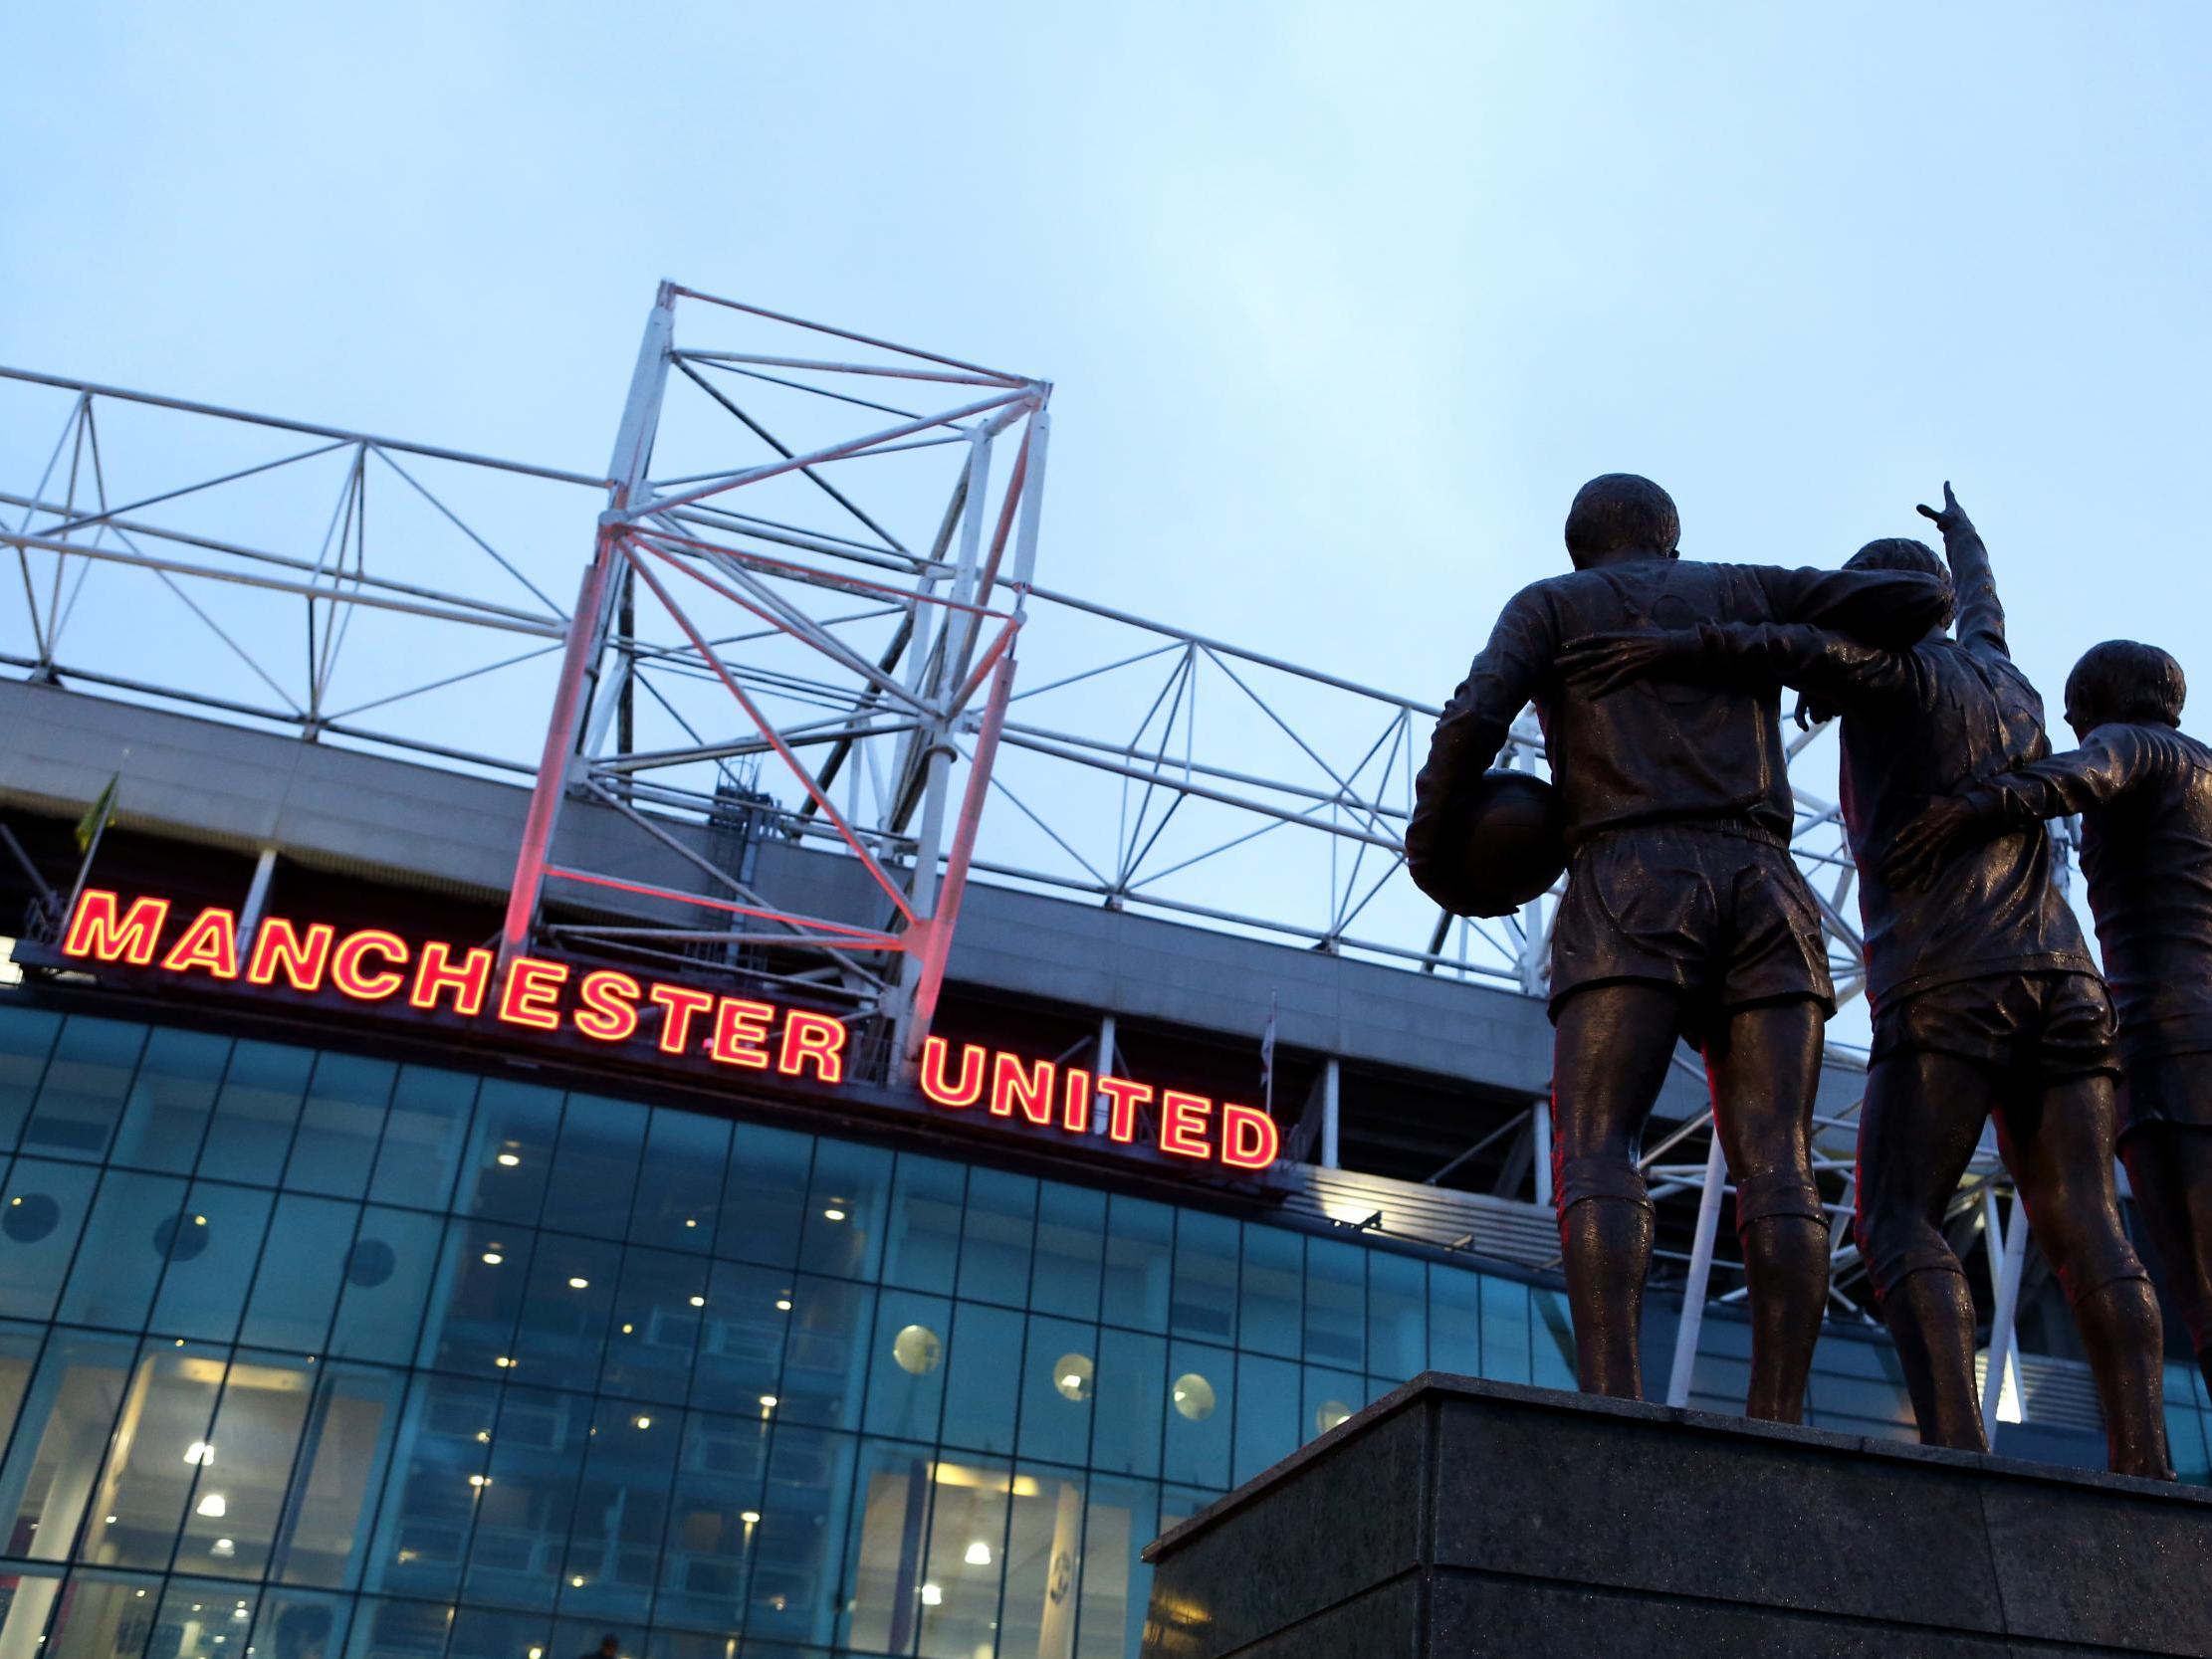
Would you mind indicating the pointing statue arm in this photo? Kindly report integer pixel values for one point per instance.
(1980, 615)
(1475, 724)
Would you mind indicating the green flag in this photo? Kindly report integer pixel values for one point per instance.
(96, 815)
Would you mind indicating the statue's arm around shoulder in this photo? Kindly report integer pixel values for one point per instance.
(1832, 668)
(1473, 726)
(1893, 609)
(2113, 761)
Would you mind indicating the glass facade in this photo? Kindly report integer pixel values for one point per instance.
(306, 1354)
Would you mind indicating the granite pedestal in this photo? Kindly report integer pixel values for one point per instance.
(1470, 1519)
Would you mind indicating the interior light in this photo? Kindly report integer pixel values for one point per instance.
(537, 1653)
(932, 1596)
(576, 1283)
(492, 1258)
(698, 1301)
(768, 1402)
(508, 1160)
(224, 1547)
(979, 1553)
(626, 1330)
(480, 1480)
(111, 1521)
(212, 1505)
(751, 1518)
(783, 1304)
(689, 1222)
(199, 1451)
(504, 1363)
(645, 1423)
(576, 1581)
(833, 1214)
(199, 1220)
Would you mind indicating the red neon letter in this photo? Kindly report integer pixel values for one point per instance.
(741, 1028)
(94, 931)
(530, 992)
(211, 942)
(968, 1090)
(1122, 1099)
(436, 972)
(1010, 1086)
(1183, 1124)
(610, 1010)
(681, 1006)
(1075, 1116)
(815, 1037)
(277, 946)
(346, 966)
(1249, 1139)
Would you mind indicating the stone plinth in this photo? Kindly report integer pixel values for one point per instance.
(1471, 1519)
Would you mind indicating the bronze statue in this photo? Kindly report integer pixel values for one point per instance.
(1985, 998)
(2143, 790)
(1684, 913)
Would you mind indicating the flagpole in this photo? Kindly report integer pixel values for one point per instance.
(101, 812)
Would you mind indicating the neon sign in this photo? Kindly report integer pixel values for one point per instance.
(372, 967)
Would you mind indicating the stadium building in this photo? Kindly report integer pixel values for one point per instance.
(465, 1197)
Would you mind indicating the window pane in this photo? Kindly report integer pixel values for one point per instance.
(162, 1450)
(1140, 1242)
(397, 1630)
(105, 1615)
(1071, 1250)
(1204, 1298)
(1274, 1290)
(1045, 1546)
(1336, 1302)
(906, 1365)
(740, 1340)
(340, 1126)
(528, 1505)
(171, 1101)
(290, 1624)
(1121, 1518)
(19, 1351)
(798, 1544)
(658, 1308)
(713, 1511)
(26, 1038)
(764, 1203)
(40, 1219)
(984, 1377)
(621, 1514)
(387, 1283)
(1267, 1396)
(211, 1244)
(885, 1556)
(679, 1189)
(344, 1451)
(201, 1620)
(470, 1325)
(1396, 1316)
(1551, 1341)
(232, 1525)
(1059, 1382)
(1454, 1321)
(1331, 1397)
(437, 1474)
(996, 1234)
(498, 1633)
(510, 1151)
(1504, 1329)
(82, 1095)
(1132, 1390)
(255, 1113)
(594, 1170)
(922, 1239)
(826, 1358)
(133, 1232)
(426, 1132)
(844, 1210)
(296, 1287)
(965, 1559)
(564, 1311)
(67, 1415)
(1202, 1397)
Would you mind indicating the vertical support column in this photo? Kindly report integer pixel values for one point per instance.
(1104, 1067)
(1700, 1275)
(1540, 1121)
(1331, 1113)
(257, 900)
(2006, 1276)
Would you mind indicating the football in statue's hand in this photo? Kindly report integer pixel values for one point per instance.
(1510, 846)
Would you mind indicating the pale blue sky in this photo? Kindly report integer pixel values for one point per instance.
(1342, 300)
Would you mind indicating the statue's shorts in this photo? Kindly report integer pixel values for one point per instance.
(1715, 910)
(2042, 1027)
(2166, 1082)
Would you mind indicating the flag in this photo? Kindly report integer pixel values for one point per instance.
(1267, 1058)
(96, 815)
